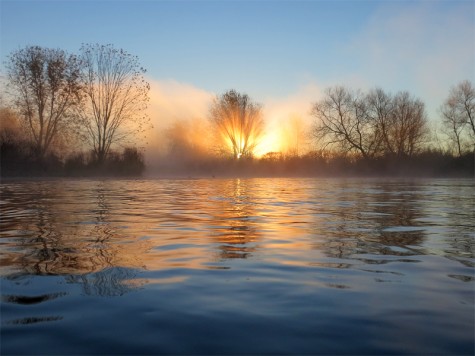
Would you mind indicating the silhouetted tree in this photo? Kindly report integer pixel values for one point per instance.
(453, 125)
(407, 126)
(10, 129)
(76, 164)
(458, 115)
(380, 109)
(371, 124)
(342, 120)
(132, 161)
(13, 146)
(46, 89)
(116, 97)
(238, 123)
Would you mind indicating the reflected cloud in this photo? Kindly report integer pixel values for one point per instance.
(106, 236)
(34, 320)
(381, 222)
(326, 255)
(139, 282)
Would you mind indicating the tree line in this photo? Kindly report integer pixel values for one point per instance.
(353, 133)
(378, 123)
(90, 102)
(83, 114)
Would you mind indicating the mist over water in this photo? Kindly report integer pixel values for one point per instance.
(237, 266)
(182, 132)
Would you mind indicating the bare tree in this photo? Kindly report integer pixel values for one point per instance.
(371, 124)
(116, 97)
(46, 90)
(458, 115)
(380, 108)
(465, 94)
(238, 123)
(453, 124)
(407, 126)
(342, 120)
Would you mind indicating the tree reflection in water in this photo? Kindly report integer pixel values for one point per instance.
(103, 234)
(234, 221)
(357, 218)
(51, 231)
(379, 221)
(225, 264)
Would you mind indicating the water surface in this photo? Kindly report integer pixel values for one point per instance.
(237, 266)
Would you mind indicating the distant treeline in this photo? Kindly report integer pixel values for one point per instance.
(20, 160)
(355, 133)
(430, 163)
(56, 104)
(82, 115)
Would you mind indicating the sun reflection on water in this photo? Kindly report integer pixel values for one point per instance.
(108, 232)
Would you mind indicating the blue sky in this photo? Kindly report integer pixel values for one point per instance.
(272, 50)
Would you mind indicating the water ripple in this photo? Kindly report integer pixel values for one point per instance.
(237, 266)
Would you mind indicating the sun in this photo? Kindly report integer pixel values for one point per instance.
(270, 142)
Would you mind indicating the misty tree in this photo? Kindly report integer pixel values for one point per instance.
(342, 121)
(116, 97)
(373, 124)
(380, 111)
(399, 121)
(238, 122)
(45, 84)
(454, 125)
(407, 126)
(187, 139)
(294, 133)
(458, 115)
(10, 129)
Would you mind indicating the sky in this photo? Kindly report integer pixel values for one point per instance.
(283, 54)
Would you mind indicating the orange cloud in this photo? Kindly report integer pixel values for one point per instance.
(172, 101)
(289, 121)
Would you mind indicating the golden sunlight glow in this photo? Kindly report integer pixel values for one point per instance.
(270, 142)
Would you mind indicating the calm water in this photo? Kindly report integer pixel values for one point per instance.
(303, 266)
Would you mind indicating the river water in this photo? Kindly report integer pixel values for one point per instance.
(237, 266)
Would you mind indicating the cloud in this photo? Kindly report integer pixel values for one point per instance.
(282, 115)
(277, 110)
(172, 101)
(422, 47)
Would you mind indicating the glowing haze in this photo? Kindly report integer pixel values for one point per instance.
(283, 54)
(173, 102)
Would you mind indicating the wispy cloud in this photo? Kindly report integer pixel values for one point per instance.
(296, 104)
(424, 47)
(287, 116)
(172, 101)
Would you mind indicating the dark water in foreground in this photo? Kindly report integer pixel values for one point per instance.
(237, 266)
